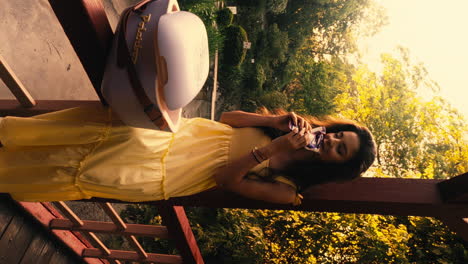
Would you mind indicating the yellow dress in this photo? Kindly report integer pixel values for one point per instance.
(81, 153)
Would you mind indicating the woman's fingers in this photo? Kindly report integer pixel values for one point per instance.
(293, 117)
(299, 139)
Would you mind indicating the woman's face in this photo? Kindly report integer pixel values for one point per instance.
(339, 147)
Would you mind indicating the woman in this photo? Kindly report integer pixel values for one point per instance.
(81, 153)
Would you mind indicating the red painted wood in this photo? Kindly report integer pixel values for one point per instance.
(57, 214)
(388, 196)
(131, 255)
(86, 25)
(455, 189)
(175, 219)
(43, 215)
(13, 108)
(109, 227)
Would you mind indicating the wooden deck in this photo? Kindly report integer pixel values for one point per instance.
(24, 240)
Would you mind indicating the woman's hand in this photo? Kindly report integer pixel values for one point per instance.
(287, 143)
(282, 122)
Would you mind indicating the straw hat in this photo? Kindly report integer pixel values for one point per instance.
(157, 64)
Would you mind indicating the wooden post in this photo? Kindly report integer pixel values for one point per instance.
(455, 189)
(15, 85)
(176, 221)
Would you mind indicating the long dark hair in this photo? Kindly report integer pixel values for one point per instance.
(305, 173)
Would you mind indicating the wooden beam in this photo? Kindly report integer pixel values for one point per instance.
(14, 108)
(111, 228)
(132, 256)
(68, 213)
(387, 196)
(455, 190)
(92, 237)
(86, 25)
(177, 223)
(15, 85)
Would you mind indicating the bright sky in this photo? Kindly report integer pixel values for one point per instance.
(435, 32)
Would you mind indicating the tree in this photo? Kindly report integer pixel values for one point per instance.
(330, 27)
(415, 138)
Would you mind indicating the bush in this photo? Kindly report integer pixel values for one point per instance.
(257, 77)
(276, 6)
(234, 52)
(215, 40)
(224, 17)
(205, 9)
(274, 100)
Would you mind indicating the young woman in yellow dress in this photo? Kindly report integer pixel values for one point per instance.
(81, 153)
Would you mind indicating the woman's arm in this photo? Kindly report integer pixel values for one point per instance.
(246, 119)
(232, 176)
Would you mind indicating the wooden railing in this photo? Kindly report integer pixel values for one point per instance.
(175, 227)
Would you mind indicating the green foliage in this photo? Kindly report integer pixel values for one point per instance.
(256, 77)
(224, 17)
(415, 138)
(234, 52)
(275, 46)
(330, 27)
(207, 11)
(231, 81)
(273, 100)
(264, 236)
(276, 6)
(215, 40)
(259, 77)
(300, 64)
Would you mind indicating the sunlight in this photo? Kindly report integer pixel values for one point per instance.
(435, 34)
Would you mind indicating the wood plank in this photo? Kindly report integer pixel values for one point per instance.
(44, 217)
(455, 189)
(15, 240)
(47, 253)
(133, 256)
(59, 257)
(86, 25)
(14, 84)
(6, 213)
(34, 250)
(13, 108)
(110, 227)
(137, 246)
(68, 213)
(387, 196)
(110, 211)
(96, 241)
(177, 223)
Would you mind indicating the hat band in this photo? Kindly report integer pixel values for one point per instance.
(124, 60)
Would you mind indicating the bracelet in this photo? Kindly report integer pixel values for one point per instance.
(255, 157)
(258, 155)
